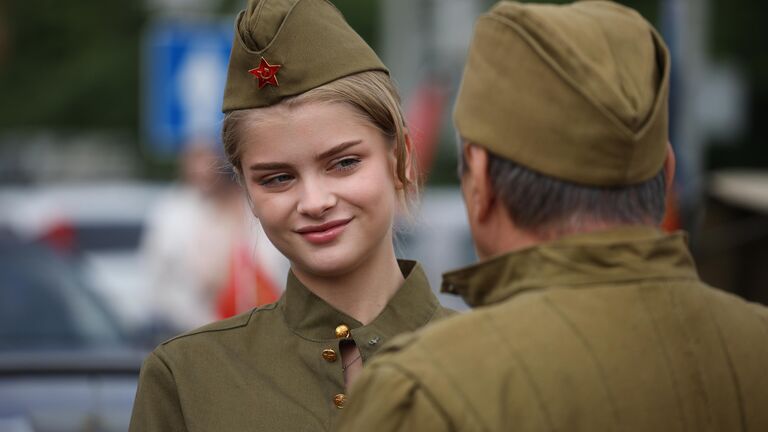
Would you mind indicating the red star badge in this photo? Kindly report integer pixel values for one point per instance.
(266, 73)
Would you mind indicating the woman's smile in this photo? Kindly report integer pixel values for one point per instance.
(324, 233)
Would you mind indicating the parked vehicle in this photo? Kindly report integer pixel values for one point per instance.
(100, 224)
(65, 362)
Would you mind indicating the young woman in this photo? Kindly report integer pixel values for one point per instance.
(316, 136)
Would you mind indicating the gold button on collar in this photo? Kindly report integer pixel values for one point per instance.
(339, 400)
(329, 355)
(342, 331)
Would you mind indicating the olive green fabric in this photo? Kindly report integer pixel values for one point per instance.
(610, 331)
(577, 92)
(264, 370)
(308, 39)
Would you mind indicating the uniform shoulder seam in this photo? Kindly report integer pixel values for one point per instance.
(161, 358)
(230, 326)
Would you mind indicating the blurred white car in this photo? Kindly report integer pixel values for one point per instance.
(100, 223)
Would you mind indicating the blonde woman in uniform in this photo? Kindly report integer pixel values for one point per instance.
(315, 133)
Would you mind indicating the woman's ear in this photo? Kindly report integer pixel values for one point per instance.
(409, 158)
(238, 176)
(407, 161)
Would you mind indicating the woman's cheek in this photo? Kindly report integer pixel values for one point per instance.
(270, 208)
(375, 185)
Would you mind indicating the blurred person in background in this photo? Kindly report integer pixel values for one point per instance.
(253, 263)
(185, 247)
(589, 317)
(206, 258)
(315, 132)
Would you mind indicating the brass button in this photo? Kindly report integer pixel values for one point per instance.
(339, 400)
(342, 331)
(329, 355)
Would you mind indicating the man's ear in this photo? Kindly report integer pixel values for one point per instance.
(479, 191)
(669, 169)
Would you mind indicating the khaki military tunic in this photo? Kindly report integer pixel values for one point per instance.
(277, 368)
(610, 331)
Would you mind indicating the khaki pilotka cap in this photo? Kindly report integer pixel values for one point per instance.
(577, 92)
(286, 47)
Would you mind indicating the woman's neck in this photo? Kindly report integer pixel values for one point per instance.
(361, 293)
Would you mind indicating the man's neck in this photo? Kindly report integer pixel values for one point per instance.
(508, 237)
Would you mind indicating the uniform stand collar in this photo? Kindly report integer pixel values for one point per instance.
(312, 318)
(611, 256)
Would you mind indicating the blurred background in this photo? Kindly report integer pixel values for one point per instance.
(120, 226)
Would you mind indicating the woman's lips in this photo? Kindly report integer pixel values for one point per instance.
(325, 233)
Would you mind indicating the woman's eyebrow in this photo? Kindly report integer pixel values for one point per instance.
(338, 149)
(267, 166)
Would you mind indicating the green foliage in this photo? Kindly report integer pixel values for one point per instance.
(71, 65)
(737, 27)
(74, 65)
(363, 16)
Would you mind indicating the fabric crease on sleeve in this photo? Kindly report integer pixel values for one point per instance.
(408, 406)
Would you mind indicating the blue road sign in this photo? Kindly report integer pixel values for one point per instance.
(184, 71)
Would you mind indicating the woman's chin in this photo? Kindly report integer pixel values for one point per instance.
(327, 264)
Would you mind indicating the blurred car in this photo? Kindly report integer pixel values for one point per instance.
(101, 223)
(65, 363)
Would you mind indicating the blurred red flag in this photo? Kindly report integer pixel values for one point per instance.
(247, 285)
(423, 117)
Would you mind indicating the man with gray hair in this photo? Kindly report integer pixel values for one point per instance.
(588, 317)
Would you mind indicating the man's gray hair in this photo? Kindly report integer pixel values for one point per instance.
(548, 206)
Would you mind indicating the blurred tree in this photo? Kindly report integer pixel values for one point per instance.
(738, 27)
(3, 34)
(71, 65)
(363, 16)
(75, 65)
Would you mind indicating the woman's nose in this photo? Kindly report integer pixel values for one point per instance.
(316, 199)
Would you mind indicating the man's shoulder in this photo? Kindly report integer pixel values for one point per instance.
(441, 313)
(460, 363)
(732, 310)
(729, 299)
(459, 335)
(560, 348)
(530, 324)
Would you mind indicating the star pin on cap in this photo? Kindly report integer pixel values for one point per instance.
(266, 73)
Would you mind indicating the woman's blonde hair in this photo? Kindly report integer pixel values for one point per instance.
(372, 95)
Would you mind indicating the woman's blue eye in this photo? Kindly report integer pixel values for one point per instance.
(277, 180)
(346, 163)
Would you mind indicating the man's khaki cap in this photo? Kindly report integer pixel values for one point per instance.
(286, 47)
(576, 92)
